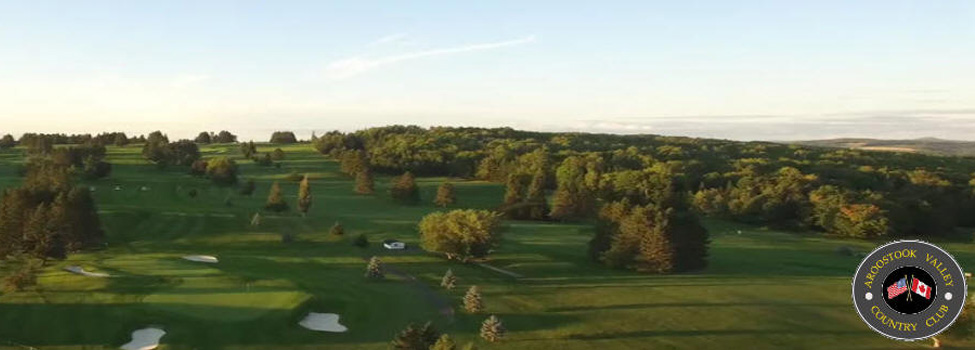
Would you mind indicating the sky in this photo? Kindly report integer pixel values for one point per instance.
(744, 70)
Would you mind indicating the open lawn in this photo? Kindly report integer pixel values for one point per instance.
(763, 289)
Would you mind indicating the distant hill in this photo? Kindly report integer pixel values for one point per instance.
(928, 145)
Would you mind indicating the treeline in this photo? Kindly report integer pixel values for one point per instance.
(44, 141)
(843, 192)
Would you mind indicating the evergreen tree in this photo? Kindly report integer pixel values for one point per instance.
(248, 149)
(429, 334)
(408, 339)
(472, 300)
(361, 240)
(657, 248)
(413, 338)
(337, 229)
(492, 329)
(256, 220)
(404, 189)
(37, 237)
(374, 269)
(449, 281)
(304, 196)
(444, 343)
(364, 183)
(278, 154)
(445, 195)
(275, 201)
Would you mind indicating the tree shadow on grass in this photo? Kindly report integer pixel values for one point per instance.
(718, 332)
(683, 305)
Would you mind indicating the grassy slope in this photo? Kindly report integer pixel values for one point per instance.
(764, 289)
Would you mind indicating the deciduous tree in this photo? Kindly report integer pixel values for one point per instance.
(445, 195)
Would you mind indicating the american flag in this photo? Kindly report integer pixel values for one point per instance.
(897, 288)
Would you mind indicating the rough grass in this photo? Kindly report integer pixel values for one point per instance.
(763, 290)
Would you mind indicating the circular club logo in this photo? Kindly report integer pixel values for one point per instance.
(909, 290)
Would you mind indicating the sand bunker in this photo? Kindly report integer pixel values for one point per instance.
(145, 339)
(202, 258)
(81, 271)
(323, 323)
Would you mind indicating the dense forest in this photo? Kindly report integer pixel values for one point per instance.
(839, 191)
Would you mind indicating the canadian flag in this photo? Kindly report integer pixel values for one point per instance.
(921, 289)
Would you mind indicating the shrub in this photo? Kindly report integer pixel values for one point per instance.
(337, 229)
(222, 171)
(287, 237)
(248, 187)
(361, 241)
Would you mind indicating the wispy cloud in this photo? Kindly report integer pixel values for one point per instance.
(389, 39)
(349, 67)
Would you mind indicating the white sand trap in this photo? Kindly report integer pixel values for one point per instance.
(81, 271)
(323, 323)
(202, 258)
(145, 339)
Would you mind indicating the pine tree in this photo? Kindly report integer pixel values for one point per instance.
(375, 269)
(275, 201)
(656, 246)
(408, 339)
(472, 300)
(304, 196)
(444, 343)
(413, 338)
(429, 334)
(445, 195)
(37, 237)
(337, 229)
(449, 281)
(404, 189)
(492, 329)
(364, 183)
